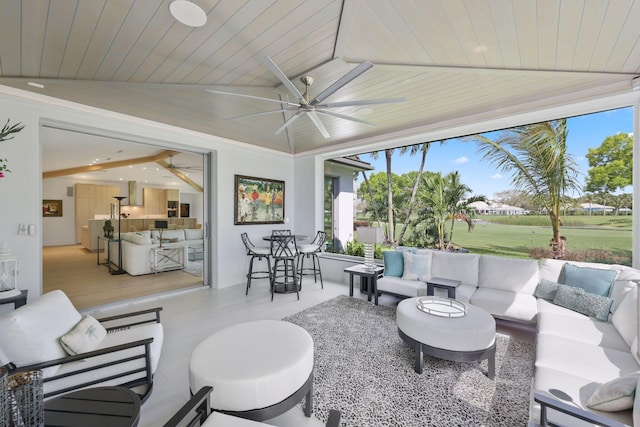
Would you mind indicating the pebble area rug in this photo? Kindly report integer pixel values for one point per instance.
(364, 370)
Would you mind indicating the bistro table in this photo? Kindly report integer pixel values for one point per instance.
(95, 407)
(367, 276)
(299, 237)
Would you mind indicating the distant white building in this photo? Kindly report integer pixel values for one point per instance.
(494, 208)
(594, 207)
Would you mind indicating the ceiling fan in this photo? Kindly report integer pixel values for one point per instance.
(312, 106)
(171, 165)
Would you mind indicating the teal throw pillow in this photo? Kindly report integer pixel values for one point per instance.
(416, 267)
(393, 263)
(546, 289)
(593, 280)
(581, 301)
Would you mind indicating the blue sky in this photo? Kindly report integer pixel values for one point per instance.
(588, 131)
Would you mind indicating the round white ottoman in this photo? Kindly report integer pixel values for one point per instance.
(258, 370)
(460, 339)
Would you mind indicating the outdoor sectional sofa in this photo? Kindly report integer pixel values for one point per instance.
(575, 352)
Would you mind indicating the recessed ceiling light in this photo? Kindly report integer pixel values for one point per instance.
(188, 13)
(34, 84)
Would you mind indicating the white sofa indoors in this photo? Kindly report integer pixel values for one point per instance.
(575, 353)
(75, 351)
(136, 247)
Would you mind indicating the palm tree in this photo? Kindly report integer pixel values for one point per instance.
(537, 156)
(424, 149)
(434, 196)
(458, 204)
(388, 153)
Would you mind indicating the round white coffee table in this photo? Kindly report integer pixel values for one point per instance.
(460, 339)
(258, 370)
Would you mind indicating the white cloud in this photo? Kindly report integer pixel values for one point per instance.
(496, 176)
(461, 160)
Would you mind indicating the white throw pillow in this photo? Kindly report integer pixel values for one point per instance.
(626, 316)
(416, 267)
(85, 336)
(140, 239)
(615, 395)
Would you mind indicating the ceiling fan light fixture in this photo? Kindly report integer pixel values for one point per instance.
(188, 13)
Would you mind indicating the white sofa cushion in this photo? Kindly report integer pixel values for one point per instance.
(30, 334)
(506, 304)
(463, 267)
(582, 329)
(625, 318)
(85, 336)
(400, 286)
(545, 306)
(509, 274)
(589, 361)
(168, 234)
(193, 233)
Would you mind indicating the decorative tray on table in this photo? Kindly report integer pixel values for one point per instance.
(443, 307)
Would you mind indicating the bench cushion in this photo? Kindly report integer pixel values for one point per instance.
(124, 336)
(506, 304)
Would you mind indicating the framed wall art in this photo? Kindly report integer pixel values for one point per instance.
(51, 208)
(258, 200)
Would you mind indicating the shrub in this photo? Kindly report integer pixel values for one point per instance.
(584, 255)
(357, 249)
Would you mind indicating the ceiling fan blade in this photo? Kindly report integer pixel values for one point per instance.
(283, 78)
(342, 116)
(260, 113)
(252, 97)
(355, 72)
(289, 121)
(316, 121)
(362, 102)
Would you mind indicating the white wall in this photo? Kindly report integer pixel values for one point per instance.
(59, 230)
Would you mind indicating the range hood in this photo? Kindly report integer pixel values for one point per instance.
(132, 196)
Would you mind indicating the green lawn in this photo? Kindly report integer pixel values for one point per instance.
(609, 233)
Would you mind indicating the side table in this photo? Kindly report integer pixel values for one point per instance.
(107, 261)
(438, 282)
(370, 277)
(167, 258)
(95, 407)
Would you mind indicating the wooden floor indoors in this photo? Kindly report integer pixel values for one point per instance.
(74, 270)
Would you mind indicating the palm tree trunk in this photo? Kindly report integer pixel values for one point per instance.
(412, 201)
(391, 237)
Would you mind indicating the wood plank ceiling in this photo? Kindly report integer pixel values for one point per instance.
(450, 58)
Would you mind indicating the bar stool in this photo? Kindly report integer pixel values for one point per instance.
(284, 274)
(312, 250)
(254, 252)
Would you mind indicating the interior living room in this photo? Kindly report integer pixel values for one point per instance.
(82, 175)
(272, 91)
